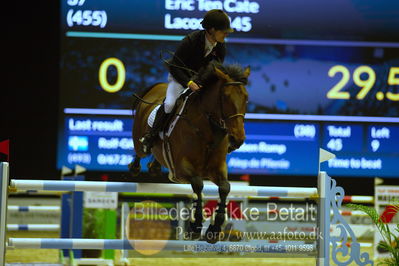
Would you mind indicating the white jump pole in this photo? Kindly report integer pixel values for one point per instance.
(13, 208)
(33, 227)
(236, 190)
(159, 188)
(323, 210)
(323, 221)
(175, 245)
(289, 211)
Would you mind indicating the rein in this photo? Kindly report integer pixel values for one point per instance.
(183, 66)
(144, 101)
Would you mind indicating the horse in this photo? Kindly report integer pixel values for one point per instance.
(211, 125)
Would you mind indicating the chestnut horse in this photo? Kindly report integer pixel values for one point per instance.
(211, 125)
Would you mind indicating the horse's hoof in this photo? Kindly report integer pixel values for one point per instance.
(212, 234)
(195, 230)
(134, 170)
(154, 169)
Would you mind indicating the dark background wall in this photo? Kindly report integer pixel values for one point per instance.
(29, 96)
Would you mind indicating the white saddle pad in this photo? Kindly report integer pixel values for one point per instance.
(151, 117)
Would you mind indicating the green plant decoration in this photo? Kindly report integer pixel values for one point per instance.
(391, 239)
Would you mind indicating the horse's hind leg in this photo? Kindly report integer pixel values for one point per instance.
(212, 234)
(196, 217)
(134, 167)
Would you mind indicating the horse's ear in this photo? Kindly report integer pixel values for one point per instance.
(220, 74)
(247, 71)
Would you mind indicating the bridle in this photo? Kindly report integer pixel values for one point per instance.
(216, 121)
(224, 117)
(219, 121)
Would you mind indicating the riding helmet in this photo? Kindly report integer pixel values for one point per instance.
(218, 19)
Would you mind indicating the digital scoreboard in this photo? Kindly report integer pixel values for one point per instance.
(322, 75)
(271, 147)
(106, 144)
(368, 150)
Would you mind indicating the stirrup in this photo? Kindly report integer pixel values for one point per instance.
(147, 136)
(146, 149)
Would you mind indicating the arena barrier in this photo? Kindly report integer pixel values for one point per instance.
(347, 199)
(330, 197)
(359, 221)
(70, 221)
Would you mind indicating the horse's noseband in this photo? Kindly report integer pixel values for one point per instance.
(232, 116)
(220, 123)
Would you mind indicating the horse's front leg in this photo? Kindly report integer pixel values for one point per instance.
(212, 234)
(135, 167)
(196, 217)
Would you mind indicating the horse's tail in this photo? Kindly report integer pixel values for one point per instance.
(138, 96)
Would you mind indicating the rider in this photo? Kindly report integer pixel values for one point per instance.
(195, 51)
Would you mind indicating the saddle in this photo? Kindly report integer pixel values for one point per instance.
(164, 134)
(174, 115)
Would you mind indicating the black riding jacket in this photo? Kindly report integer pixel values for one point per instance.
(190, 54)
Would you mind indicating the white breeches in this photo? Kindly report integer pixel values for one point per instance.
(172, 93)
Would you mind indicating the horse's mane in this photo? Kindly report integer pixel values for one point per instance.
(207, 75)
(235, 72)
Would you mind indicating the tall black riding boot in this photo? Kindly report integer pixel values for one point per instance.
(159, 123)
